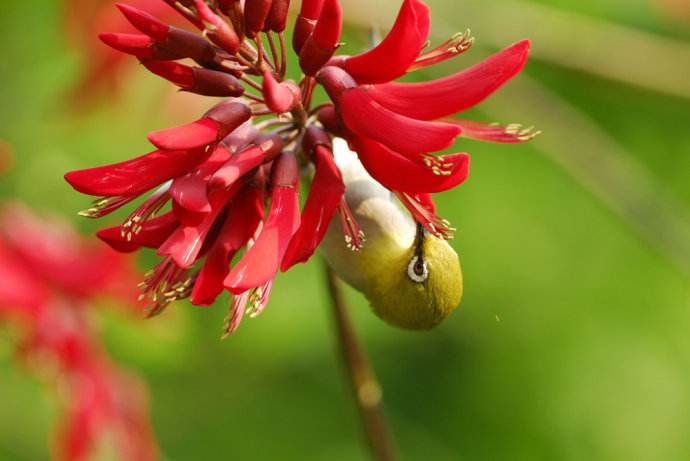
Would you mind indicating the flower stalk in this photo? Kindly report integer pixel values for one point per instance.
(365, 388)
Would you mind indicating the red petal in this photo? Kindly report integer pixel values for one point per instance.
(217, 30)
(279, 97)
(134, 176)
(366, 117)
(237, 166)
(261, 262)
(325, 193)
(134, 44)
(426, 201)
(193, 135)
(145, 22)
(455, 93)
(277, 17)
(185, 243)
(321, 44)
(311, 8)
(179, 74)
(255, 14)
(152, 234)
(493, 132)
(19, 287)
(397, 52)
(329, 26)
(399, 173)
(217, 123)
(246, 212)
(209, 283)
(189, 191)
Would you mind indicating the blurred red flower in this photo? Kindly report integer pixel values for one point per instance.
(48, 276)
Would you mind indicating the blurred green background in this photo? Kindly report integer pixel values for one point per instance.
(573, 339)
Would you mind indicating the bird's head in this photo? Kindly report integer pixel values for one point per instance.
(418, 288)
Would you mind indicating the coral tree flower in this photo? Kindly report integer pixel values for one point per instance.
(48, 276)
(221, 193)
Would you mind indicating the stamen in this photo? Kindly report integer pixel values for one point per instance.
(437, 165)
(165, 283)
(354, 236)
(258, 299)
(437, 226)
(235, 313)
(147, 210)
(494, 132)
(106, 205)
(457, 44)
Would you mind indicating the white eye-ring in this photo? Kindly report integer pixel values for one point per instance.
(417, 270)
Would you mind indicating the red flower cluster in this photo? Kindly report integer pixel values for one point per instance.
(47, 279)
(219, 171)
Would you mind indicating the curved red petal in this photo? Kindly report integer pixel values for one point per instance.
(192, 135)
(261, 262)
(398, 173)
(236, 167)
(189, 191)
(184, 245)
(145, 22)
(325, 193)
(392, 57)
(134, 176)
(455, 93)
(279, 96)
(152, 234)
(368, 118)
(241, 222)
(318, 47)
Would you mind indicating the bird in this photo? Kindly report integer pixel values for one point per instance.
(411, 278)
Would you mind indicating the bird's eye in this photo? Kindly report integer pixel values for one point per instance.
(417, 269)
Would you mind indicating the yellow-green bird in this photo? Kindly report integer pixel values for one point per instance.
(411, 278)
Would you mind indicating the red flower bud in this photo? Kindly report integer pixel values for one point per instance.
(197, 80)
(280, 97)
(315, 136)
(255, 14)
(321, 44)
(266, 148)
(329, 118)
(189, 45)
(212, 127)
(218, 30)
(277, 16)
(145, 22)
(138, 45)
(335, 80)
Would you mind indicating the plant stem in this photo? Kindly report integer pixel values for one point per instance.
(365, 387)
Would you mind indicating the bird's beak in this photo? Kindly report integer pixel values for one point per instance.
(419, 240)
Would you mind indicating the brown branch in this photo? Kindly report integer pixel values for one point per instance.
(365, 388)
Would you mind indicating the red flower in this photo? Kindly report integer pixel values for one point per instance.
(47, 277)
(221, 171)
